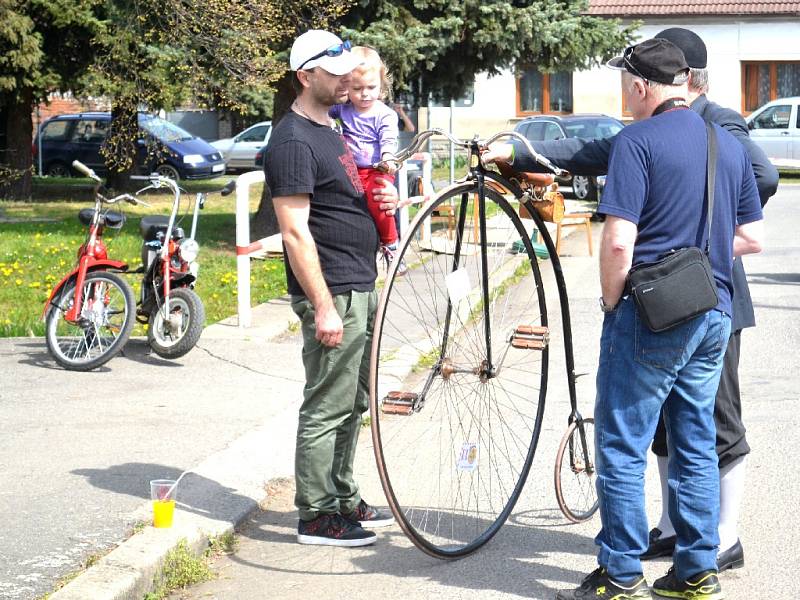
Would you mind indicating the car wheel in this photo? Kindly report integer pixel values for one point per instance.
(57, 169)
(584, 188)
(168, 171)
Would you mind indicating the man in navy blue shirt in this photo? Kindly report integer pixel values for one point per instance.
(653, 203)
(591, 157)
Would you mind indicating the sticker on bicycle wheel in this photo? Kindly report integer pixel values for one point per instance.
(468, 457)
(458, 286)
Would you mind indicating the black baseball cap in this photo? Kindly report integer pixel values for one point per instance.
(656, 60)
(691, 44)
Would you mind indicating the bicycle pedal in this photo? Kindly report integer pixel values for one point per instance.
(534, 337)
(398, 403)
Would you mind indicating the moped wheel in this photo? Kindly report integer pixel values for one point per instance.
(104, 323)
(173, 335)
(576, 471)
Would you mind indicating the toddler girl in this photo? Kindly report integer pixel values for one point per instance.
(370, 129)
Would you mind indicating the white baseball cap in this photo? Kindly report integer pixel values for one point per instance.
(317, 48)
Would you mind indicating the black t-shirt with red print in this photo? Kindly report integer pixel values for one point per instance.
(304, 157)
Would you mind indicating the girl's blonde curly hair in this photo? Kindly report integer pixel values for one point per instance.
(372, 62)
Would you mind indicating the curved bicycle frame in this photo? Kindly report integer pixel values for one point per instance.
(479, 173)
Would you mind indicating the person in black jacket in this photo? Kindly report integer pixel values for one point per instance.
(590, 157)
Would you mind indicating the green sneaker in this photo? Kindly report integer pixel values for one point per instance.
(703, 586)
(598, 584)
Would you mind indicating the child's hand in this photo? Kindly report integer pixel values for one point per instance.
(388, 163)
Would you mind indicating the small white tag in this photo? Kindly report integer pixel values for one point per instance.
(468, 457)
(458, 286)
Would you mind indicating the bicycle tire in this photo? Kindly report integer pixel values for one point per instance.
(476, 435)
(575, 472)
(104, 331)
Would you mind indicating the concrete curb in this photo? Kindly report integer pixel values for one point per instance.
(231, 485)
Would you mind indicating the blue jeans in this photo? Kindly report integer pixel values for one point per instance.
(640, 371)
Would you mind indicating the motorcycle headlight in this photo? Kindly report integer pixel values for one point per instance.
(189, 249)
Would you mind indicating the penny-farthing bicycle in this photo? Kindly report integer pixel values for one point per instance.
(460, 364)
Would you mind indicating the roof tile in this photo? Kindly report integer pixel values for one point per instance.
(622, 8)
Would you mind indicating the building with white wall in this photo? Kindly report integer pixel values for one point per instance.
(753, 57)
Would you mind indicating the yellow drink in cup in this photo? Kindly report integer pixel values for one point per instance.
(163, 511)
(162, 492)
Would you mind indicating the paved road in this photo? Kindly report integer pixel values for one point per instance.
(536, 552)
(77, 449)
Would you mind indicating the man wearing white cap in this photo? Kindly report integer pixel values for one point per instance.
(330, 243)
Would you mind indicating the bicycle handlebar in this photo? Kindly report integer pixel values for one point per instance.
(423, 136)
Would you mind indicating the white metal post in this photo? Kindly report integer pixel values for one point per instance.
(243, 249)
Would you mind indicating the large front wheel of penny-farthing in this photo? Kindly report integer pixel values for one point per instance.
(454, 438)
(576, 471)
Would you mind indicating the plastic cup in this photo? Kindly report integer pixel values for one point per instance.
(162, 492)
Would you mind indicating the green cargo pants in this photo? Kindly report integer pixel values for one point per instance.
(335, 396)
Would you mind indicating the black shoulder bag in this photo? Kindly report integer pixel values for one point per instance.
(680, 285)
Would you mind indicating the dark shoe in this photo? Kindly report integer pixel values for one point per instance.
(333, 530)
(659, 546)
(732, 558)
(598, 584)
(702, 586)
(370, 517)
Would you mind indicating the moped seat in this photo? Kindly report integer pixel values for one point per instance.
(108, 219)
(151, 225)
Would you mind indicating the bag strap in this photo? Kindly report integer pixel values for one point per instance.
(711, 173)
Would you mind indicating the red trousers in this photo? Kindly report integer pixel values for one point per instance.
(385, 223)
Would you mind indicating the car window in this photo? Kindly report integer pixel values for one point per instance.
(56, 131)
(552, 132)
(163, 130)
(89, 130)
(592, 130)
(256, 134)
(774, 117)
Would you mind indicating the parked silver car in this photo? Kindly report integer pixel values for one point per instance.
(587, 126)
(240, 152)
(775, 127)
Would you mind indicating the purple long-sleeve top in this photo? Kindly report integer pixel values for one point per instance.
(368, 134)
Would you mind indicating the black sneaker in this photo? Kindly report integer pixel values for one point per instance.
(333, 530)
(598, 584)
(369, 516)
(703, 586)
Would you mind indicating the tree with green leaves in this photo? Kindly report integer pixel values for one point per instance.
(43, 47)
(434, 48)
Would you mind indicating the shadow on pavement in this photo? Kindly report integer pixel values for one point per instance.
(196, 494)
(270, 554)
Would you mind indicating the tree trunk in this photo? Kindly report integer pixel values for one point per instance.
(119, 148)
(265, 223)
(19, 139)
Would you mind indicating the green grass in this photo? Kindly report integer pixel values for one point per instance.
(35, 254)
(181, 569)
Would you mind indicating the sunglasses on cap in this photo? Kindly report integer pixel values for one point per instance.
(626, 58)
(336, 50)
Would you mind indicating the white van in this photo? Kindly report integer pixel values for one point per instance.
(775, 127)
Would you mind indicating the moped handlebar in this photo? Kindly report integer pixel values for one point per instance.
(82, 168)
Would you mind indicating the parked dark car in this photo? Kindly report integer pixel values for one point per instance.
(162, 147)
(586, 126)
